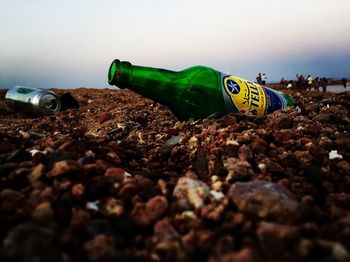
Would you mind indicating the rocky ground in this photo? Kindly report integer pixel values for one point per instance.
(120, 179)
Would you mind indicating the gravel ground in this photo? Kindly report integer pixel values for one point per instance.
(120, 179)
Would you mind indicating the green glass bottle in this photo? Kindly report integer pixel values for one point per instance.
(197, 91)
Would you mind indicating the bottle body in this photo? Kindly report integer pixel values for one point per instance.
(32, 100)
(196, 91)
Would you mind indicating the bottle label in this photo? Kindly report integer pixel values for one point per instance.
(248, 97)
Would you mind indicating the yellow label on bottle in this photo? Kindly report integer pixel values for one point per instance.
(244, 95)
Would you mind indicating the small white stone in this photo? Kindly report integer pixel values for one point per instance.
(232, 142)
(121, 126)
(262, 167)
(193, 142)
(217, 186)
(214, 179)
(34, 151)
(334, 155)
(93, 205)
(127, 176)
(189, 215)
(217, 195)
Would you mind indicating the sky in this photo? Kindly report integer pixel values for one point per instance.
(69, 44)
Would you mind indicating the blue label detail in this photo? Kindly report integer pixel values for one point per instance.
(274, 101)
(233, 87)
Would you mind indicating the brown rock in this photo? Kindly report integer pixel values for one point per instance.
(229, 120)
(116, 173)
(113, 207)
(37, 173)
(6, 147)
(65, 167)
(43, 213)
(30, 242)
(145, 214)
(80, 219)
(113, 158)
(238, 170)
(165, 231)
(344, 166)
(341, 200)
(278, 240)
(244, 255)
(190, 193)
(303, 157)
(245, 153)
(335, 251)
(284, 135)
(200, 163)
(101, 248)
(280, 120)
(197, 240)
(272, 166)
(78, 190)
(259, 146)
(263, 199)
(127, 191)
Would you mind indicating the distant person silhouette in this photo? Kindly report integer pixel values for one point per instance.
(344, 80)
(309, 81)
(258, 79)
(263, 79)
(324, 84)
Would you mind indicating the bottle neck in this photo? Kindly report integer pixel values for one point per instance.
(125, 75)
(154, 83)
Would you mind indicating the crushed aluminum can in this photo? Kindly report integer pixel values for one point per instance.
(33, 100)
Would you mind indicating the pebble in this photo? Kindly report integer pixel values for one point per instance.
(113, 158)
(165, 231)
(85, 160)
(19, 156)
(6, 168)
(6, 147)
(217, 195)
(30, 242)
(145, 214)
(78, 190)
(336, 250)
(113, 207)
(37, 173)
(127, 191)
(10, 195)
(190, 193)
(277, 239)
(244, 255)
(333, 154)
(65, 167)
(197, 240)
(263, 199)
(116, 173)
(93, 205)
(245, 153)
(101, 248)
(344, 166)
(280, 120)
(238, 170)
(200, 163)
(43, 213)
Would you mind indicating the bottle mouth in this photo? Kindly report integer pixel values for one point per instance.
(119, 73)
(113, 76)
